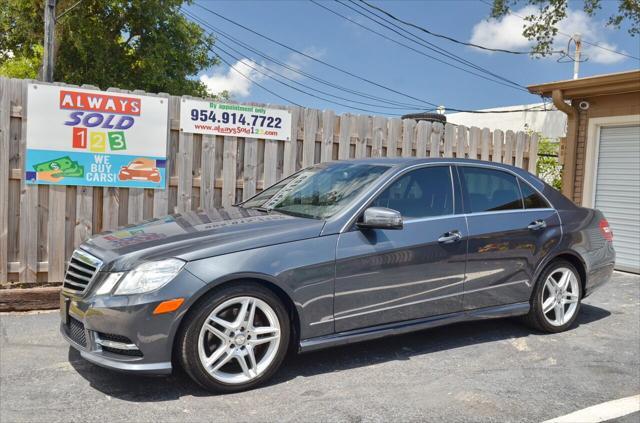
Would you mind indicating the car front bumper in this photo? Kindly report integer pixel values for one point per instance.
(136, 339)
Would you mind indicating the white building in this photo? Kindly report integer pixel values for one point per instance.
(551, 123)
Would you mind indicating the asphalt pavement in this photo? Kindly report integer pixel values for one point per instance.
(487, 371)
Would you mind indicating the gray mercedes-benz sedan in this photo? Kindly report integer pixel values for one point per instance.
(337, 253)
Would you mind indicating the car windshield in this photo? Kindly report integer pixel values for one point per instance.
(319, 191)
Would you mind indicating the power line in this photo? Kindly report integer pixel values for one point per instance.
(432, 46)
(255, 82)
(606, 48)
(594, 44)
(307, 86)
(219, 32)
(336, 68)
(316, 59)
(428, 45)
(298, 89)
(270, 74)
(423, 29)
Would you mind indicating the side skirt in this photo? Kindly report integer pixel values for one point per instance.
(398, 328)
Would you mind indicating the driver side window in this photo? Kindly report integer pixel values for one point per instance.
(424, 192)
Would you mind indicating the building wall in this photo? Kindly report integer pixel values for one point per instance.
(600, 106)
(550, 123)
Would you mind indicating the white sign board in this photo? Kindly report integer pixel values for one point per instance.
(213, 118)
(96, 138)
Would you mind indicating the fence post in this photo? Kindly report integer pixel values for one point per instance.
(229, 172)
(28, 197)
(461, 141)
(498, 137)
(422, 138)
(309, 138)
(475, 134)
(408, 130)
(5, 123)
(533, 154)
(394, 134)
(289, 165)
(328, 125)
(436, 136)
(378, 136)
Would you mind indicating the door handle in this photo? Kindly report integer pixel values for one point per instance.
(536, 225)
(450, 237)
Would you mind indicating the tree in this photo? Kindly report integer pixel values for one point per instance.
(548, 166)
(542, 27)
(130, 44)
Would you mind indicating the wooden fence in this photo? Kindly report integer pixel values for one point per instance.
(42, 224)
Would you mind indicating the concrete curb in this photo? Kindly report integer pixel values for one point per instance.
(27, 299)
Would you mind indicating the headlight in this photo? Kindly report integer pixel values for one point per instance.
(149, 276)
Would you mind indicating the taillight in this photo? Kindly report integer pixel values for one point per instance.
(605, 229)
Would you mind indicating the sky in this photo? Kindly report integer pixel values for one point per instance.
(415, 81)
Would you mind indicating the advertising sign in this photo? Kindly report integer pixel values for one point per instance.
(209, 117)
(95, 138)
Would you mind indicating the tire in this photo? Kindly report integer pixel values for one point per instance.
(561, 315)
(199, 343)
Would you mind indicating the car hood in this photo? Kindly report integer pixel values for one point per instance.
(196, 235)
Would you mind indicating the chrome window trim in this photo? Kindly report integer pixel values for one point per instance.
(360, 209)
(507, 211)
(428, 218)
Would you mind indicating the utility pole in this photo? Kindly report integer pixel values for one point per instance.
(577, 38)
(49, 35)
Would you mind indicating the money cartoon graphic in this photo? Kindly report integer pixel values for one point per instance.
(66, 166)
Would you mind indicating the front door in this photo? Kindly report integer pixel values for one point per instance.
(511, 229)
(385, 276)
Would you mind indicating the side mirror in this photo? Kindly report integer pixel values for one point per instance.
(380, 218)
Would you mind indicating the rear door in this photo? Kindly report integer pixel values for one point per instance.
(385, 276)
(511, 229)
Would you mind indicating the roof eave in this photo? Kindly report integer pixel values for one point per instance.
(615, 83)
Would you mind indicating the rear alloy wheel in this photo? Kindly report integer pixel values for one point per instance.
(560, 296)
(235, 340)
(556, 298)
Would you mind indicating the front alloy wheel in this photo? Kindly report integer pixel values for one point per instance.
(239, 340)
(235, 338)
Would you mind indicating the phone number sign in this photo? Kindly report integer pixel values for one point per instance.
(95, 138)
(213, 118)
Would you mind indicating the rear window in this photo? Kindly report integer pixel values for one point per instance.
(490, 190)
(532, 200)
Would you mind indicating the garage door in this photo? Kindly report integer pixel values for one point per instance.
(618, 191)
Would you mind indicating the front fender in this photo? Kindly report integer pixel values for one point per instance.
(304, 270)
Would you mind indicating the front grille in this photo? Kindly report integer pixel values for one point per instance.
(75, 330)
(80, 272)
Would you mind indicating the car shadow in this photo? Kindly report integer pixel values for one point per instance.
(138, 388)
